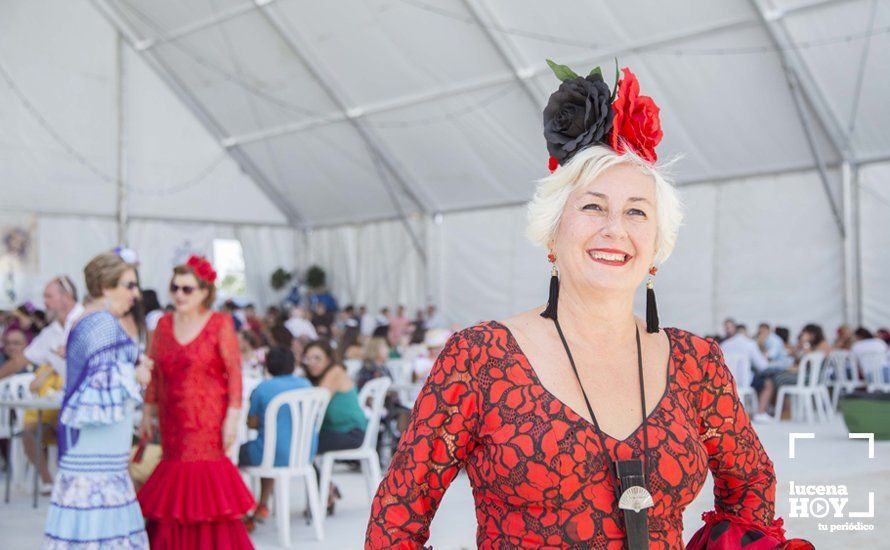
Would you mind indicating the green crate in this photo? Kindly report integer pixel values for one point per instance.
(867, 413)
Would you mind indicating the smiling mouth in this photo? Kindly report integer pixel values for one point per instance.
(609, 258)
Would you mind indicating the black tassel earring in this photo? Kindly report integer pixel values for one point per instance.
(550, 312)
(651, 307)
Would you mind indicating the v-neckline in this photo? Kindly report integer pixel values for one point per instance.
(577, 417)
(198, 335)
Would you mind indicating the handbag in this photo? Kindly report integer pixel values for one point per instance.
(144, 458)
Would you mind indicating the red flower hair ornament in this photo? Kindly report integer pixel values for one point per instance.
(202, 268)
(583, 112)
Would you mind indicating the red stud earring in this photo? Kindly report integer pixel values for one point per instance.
(551, 257)
(653, 270)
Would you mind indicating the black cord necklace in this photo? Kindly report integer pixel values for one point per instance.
(631, 487)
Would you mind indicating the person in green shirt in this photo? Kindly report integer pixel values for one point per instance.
(344, 421)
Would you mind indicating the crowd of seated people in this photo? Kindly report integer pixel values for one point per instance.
(290, 347)
(775, 359)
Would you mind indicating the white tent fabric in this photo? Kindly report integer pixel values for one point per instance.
(763, 249)
(758, 249)
(306, 130)
(329, 94)
(875, 196)
(265, 250)
(61, 56)
(373, 264)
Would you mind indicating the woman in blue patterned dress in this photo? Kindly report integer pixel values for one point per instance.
(93, 504)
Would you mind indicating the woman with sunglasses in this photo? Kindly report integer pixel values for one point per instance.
(93, 503)
(195, 498)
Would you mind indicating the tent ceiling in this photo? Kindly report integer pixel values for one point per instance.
(360, 110)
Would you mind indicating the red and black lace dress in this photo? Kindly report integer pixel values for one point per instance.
(537, 468)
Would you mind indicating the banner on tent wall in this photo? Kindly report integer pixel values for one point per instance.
(18, 259)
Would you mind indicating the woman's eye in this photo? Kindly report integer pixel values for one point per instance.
(636, 212)
(592, 206)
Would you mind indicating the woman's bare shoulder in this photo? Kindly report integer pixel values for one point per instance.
(529, 321)
(340, 379)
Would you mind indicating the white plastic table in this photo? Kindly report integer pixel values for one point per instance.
(39, 404)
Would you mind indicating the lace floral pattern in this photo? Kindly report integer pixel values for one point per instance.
(193, 385)
(100, 490)
(537, 468)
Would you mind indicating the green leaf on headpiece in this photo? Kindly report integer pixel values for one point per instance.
(617, 76)
(561, 71)
(595, 71)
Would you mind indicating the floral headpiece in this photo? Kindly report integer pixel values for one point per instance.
(127, 254)
(202, 268)
(584, 112)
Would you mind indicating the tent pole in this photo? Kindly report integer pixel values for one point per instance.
(507, 53)
(375, 146)
(166, 74)
(852, 271)
(122, 213)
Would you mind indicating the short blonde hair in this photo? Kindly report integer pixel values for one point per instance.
(546, 207)
(104, 271)
(374, 346)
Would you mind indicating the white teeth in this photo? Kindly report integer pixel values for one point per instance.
(608, 256)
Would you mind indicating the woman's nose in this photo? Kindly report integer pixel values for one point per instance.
(614, 226)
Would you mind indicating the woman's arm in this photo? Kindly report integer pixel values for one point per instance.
(43, 373)
(744, 478)
(336, 380)
(438, 441)
(231, 355)
(150, 401)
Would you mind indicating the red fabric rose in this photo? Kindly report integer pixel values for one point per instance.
(553, 164)
(636, 119)
(202, 268)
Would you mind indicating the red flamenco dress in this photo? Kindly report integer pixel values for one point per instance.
(195, 498)
(540, 473)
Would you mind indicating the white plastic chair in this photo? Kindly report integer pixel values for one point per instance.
(248, 384)
(811, 395)
(872, 364)
(414, 351)
(375, 392)
(16, 387)
(740, 367)
(847, 379)
(307, 409)
(401, 371)
(352, 367)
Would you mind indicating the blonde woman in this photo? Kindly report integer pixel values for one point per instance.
(374, 363)
(580, 424)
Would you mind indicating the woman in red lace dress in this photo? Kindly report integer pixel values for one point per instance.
(195, 498)
(544, 409)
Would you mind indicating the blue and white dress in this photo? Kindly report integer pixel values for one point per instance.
(93, 504)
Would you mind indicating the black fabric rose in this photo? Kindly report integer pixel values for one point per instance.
(578, 114)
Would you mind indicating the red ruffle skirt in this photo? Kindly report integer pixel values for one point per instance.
(196, 504)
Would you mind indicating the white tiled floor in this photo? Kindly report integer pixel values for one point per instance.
(830, 458)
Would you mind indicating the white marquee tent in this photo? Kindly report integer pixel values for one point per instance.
(394, 142)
